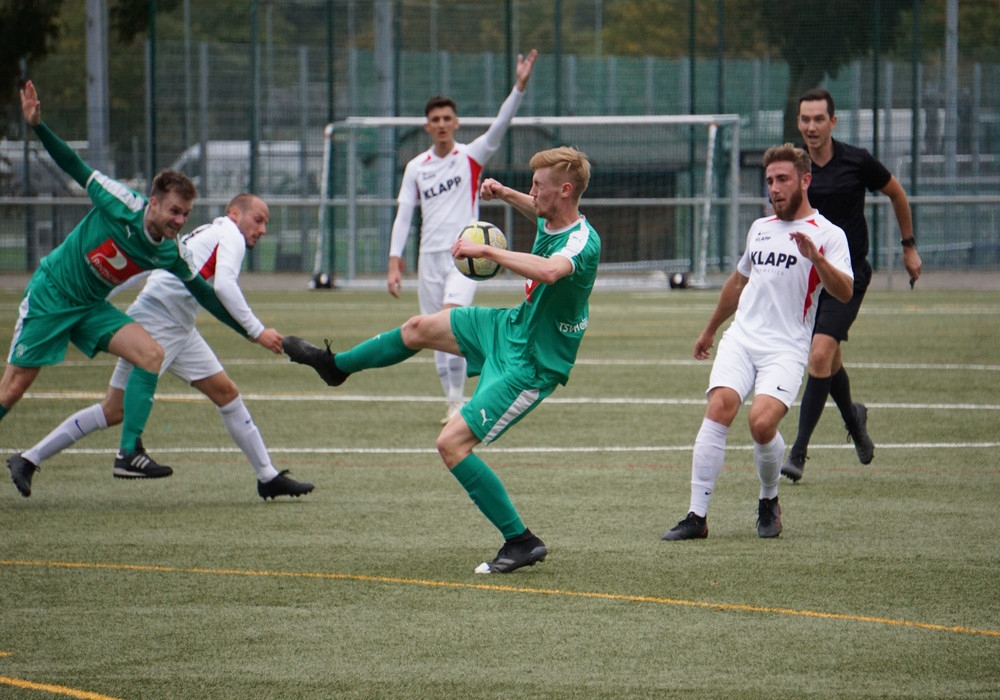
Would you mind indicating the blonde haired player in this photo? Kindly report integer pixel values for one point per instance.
(444, 182)
(521, 354)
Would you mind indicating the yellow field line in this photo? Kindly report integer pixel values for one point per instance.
(57, 689)
(515, 589)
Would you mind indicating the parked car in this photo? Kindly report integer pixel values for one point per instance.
(281, 169)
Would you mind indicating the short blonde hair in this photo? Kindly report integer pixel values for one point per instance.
(571, 162)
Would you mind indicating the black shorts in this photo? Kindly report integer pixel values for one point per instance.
(834, 318)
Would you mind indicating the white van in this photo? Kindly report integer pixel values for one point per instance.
(280, 168)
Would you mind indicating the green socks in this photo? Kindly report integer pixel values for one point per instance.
(487, 491)
(138, 404)
(383, 350)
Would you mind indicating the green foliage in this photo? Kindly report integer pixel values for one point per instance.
(130, 18)
(29, 30)
(791, 26)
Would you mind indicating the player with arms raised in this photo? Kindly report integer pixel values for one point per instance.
(444, 182)
(66, 299)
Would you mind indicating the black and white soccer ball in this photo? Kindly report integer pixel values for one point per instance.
(481, 268)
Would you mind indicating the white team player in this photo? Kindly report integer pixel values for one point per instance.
(444, 182)
(789, 257)
(167, 311)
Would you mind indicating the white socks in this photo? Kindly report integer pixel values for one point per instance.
(79, 425)
(244, 433)
(706, 463)
(451, 370)
(768, 460)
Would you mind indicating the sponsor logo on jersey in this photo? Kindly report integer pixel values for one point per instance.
(578, 327)
(441, 188)
(529, 288)
(773, 259)
(111, 264)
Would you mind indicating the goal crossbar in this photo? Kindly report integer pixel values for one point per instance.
(703, 205)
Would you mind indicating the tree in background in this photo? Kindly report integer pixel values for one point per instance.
(28, 32)
(816, 38)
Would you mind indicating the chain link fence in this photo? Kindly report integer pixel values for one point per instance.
(246, 109)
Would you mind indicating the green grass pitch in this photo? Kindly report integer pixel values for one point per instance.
(883, 584)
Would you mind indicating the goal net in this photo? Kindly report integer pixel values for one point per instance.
(663, 193)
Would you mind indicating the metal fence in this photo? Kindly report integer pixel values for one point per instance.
(249, 113)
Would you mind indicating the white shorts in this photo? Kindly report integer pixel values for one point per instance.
(776, 373)
(185, 353)
(439, 283)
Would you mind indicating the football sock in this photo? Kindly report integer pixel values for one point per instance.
(840, 392)
(245, 434)
(488, 493)
(77, 426)
(451, 370)
(383, 350)
(768, 460)
(706, 463)
(3, 412)
(810, 409)
(138, 404)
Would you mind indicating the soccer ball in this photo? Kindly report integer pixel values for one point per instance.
(481, 268)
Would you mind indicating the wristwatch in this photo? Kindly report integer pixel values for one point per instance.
(910, 242)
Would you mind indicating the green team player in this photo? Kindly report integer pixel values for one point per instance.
(521, 354)
(66, 299)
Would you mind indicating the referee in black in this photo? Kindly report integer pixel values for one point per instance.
(840, 175)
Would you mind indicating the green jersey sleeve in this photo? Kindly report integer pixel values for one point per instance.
(64, 156)
(205, 294)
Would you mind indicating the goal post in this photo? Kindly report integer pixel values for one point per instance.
(664, 191)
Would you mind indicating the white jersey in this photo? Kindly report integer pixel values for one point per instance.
(778, 305)
(216, 251)
(447, 189)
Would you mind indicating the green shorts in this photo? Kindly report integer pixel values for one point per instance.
(47, 322)
(507, 390)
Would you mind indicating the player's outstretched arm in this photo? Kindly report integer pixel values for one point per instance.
(492, 189)
(525, 64)
(270, 339)
(205, 294)
(30, 104)
(64, 156)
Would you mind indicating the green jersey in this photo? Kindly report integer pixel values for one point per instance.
(547, 327)
(110, 245)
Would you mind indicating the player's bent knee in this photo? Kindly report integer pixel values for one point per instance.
(113, 414)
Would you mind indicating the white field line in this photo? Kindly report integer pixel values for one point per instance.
(427, 359)
(525, 450)
(570, 400)
(61, 396)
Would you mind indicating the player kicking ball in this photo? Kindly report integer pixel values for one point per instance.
(521, 354)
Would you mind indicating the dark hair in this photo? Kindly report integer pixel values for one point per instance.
(789, 153)
(440, 101)
(817, 94)
(173, 181)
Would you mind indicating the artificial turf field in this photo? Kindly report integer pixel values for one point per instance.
(885, 582)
